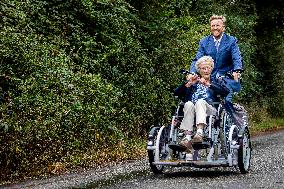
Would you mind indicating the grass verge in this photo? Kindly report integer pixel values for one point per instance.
(267, 125)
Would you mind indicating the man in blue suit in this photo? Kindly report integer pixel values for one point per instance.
(227, 58)
(222, 48)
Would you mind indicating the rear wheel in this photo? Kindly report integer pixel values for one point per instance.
(162, 141)
(244, 152)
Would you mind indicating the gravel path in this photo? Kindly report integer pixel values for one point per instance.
(267, 171)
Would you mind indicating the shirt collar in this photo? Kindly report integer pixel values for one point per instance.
(219, 38)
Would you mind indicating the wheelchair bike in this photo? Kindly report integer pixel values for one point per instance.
(225, 144)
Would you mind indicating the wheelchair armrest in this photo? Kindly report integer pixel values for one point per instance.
(181, 103)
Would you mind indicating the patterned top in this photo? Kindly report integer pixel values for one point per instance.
(202, 92)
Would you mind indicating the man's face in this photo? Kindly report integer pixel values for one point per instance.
(217, 27)
(205, 70)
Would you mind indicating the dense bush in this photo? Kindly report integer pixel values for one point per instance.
(52, 105)
(269, 58)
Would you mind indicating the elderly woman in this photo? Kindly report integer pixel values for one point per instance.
(198, 92)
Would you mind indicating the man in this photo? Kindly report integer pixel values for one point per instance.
(222, 48)
(227, 58)
(199, 93)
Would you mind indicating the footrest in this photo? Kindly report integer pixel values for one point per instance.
(177, 147)
(200, 145)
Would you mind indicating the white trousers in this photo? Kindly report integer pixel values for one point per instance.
(200, 111)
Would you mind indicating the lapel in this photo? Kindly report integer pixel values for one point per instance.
(223, 43)
(211, 45)
(222, 46)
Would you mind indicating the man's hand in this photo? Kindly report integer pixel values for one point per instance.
(236, 75)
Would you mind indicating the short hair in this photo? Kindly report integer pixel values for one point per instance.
(214, 17)
(207, 59)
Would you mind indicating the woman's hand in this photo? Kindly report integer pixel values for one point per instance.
(204, 82)
(192, 79)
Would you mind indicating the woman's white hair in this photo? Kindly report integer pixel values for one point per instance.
(207, 59)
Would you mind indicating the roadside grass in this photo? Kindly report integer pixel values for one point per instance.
(261, 119)
(267, 125)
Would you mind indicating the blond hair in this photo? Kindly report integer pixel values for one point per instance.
(215, 17)
(207, 59)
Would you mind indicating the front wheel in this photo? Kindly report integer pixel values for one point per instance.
(156, 169)
(244, 152)
(159, 141)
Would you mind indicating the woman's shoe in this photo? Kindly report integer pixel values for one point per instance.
(186, 142)
(198, 137)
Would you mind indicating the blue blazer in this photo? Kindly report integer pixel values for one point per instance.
(226, 59)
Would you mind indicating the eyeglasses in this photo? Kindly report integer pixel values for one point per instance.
(203, 68)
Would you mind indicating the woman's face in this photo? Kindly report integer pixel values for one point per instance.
(205, 70)
(217, 27)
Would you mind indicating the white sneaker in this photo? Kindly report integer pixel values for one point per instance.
(188, 157)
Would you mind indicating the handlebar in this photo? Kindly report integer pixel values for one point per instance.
(229, 74)
(184, 71)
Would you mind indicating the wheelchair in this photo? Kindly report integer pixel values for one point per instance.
(225, 144)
